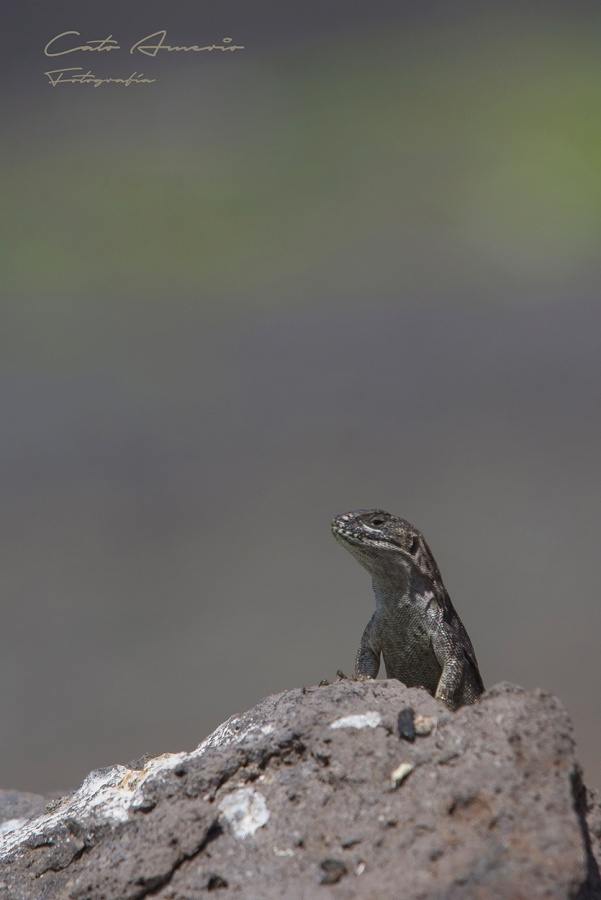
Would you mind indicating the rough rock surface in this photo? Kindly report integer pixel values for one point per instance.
(352, 790)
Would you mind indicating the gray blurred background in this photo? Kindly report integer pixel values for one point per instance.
(353, 265)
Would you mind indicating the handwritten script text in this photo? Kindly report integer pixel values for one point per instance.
(150, 45)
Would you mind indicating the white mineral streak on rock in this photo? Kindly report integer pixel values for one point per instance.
(101, 791)
(366, 720)
(231, 732)
(112, 793)
(11, 825)
(245, 810)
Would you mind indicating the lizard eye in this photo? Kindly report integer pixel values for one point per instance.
(377, 521)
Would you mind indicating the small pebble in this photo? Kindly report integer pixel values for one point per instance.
(400, 773)
(334, 870)
(406, 725)
(424, 725)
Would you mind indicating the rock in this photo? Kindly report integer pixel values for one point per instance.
(16, 807)
(298, 798)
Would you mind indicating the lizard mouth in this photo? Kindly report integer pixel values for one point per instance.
(361, 537)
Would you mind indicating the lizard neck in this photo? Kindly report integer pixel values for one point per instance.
(390, 592)
(402, 587)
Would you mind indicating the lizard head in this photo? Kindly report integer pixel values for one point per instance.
(386, 545)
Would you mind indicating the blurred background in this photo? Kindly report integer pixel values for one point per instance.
(355, 264)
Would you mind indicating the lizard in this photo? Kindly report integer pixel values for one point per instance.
(415, 626)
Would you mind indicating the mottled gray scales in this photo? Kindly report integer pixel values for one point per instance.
(415, 626)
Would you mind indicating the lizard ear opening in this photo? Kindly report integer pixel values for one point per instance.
(414, 545)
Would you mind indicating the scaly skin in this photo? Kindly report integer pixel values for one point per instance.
(415, 626)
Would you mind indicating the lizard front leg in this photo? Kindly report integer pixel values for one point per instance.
(367, 661)
(453, 663)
